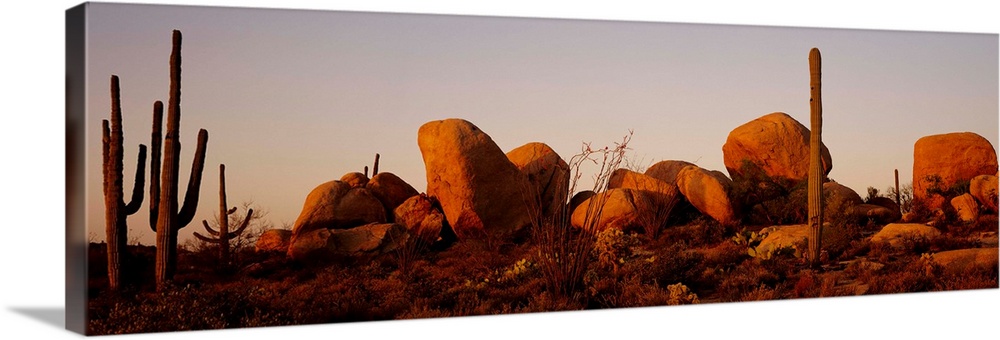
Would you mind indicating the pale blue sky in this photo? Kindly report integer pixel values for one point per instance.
(294, 98)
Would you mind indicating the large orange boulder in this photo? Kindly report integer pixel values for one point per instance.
(390, 190)
(546, 171)
(666, 170)
(578, 199)
(840, 201)
(966, 208)
(421, 217)
(355, 179)
(656, 193)
(965, 261)
(479, 189)
(326, 244)
(837, 196)
(897, 234)
(777, 144)
(984, 189)
(708, 191)
(335, 205)
(941, 161)
(614, 208)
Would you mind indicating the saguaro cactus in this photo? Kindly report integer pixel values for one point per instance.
(375, 168)
(223, 235)
(898, 202)
(815, 163)
(168, 219)
(115, 208)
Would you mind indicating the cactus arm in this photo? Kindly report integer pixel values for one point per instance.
(187, 211)
(375, 168)
(206, 239)
(155, 144)
(246, 222)
(140, 181)
(231, 211)
(209, 229)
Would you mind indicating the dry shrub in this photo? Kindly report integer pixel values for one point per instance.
(908, 274)
(703, 231)
(979, 279)
(611, 248)
(760, 293)
(987, 223)
(807, 285)
(564, 251)
(543, 301)
(666, 266)
(757, 278)
(681, 295)
(856, 248)
(630, 291)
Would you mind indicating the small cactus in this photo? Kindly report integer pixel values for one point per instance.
(224, 235)
(375, 167)
(815, 183)
(115, 208)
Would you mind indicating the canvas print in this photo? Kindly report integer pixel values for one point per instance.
(241, 167)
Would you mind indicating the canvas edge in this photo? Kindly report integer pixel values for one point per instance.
(76, 241)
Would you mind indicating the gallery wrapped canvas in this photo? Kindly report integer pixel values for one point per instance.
(386, 166)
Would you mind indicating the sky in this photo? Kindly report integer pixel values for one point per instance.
(32, 140)
(292, 98)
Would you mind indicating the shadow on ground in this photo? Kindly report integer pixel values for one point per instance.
(53, 316)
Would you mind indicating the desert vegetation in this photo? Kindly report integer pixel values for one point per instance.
(515, 232)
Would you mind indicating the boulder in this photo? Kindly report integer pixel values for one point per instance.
(792, 236)
(614, 208)
(887, 203)
(579, 198)
(966, 207)
(963, 261)
(942, 161)
(708, 191)
(666, 170)
(656, 193)
(876, 213)
(273, 240)
(984, 189)
(840, 197)
(390, 190)
(369, 239)
(355, 179)
(779, 237)
(777, 144)
(481, 192)
(547, 173)
(335, 205)
(896, 234)
(421, 216)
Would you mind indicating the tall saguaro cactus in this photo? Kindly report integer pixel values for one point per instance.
(223, 235)
(815, 163)
(115, 208)
(169, 220)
